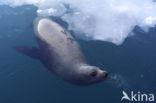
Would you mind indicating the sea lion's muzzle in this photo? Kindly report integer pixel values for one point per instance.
(104, 75)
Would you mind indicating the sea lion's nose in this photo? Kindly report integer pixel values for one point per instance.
(104, 75)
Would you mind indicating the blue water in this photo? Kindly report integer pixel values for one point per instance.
(132, 65)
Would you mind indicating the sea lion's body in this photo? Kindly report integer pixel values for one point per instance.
(61, 54)
(62, 49)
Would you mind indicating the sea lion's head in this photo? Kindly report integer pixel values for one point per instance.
(89, 75)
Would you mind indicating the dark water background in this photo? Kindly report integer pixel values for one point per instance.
(132, 65)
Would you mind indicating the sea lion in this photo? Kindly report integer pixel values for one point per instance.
(61, 54)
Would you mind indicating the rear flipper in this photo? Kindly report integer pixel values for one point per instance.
(30, 51)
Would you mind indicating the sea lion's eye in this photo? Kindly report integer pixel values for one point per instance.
(93, 73)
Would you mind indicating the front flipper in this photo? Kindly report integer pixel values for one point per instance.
(30, 51)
